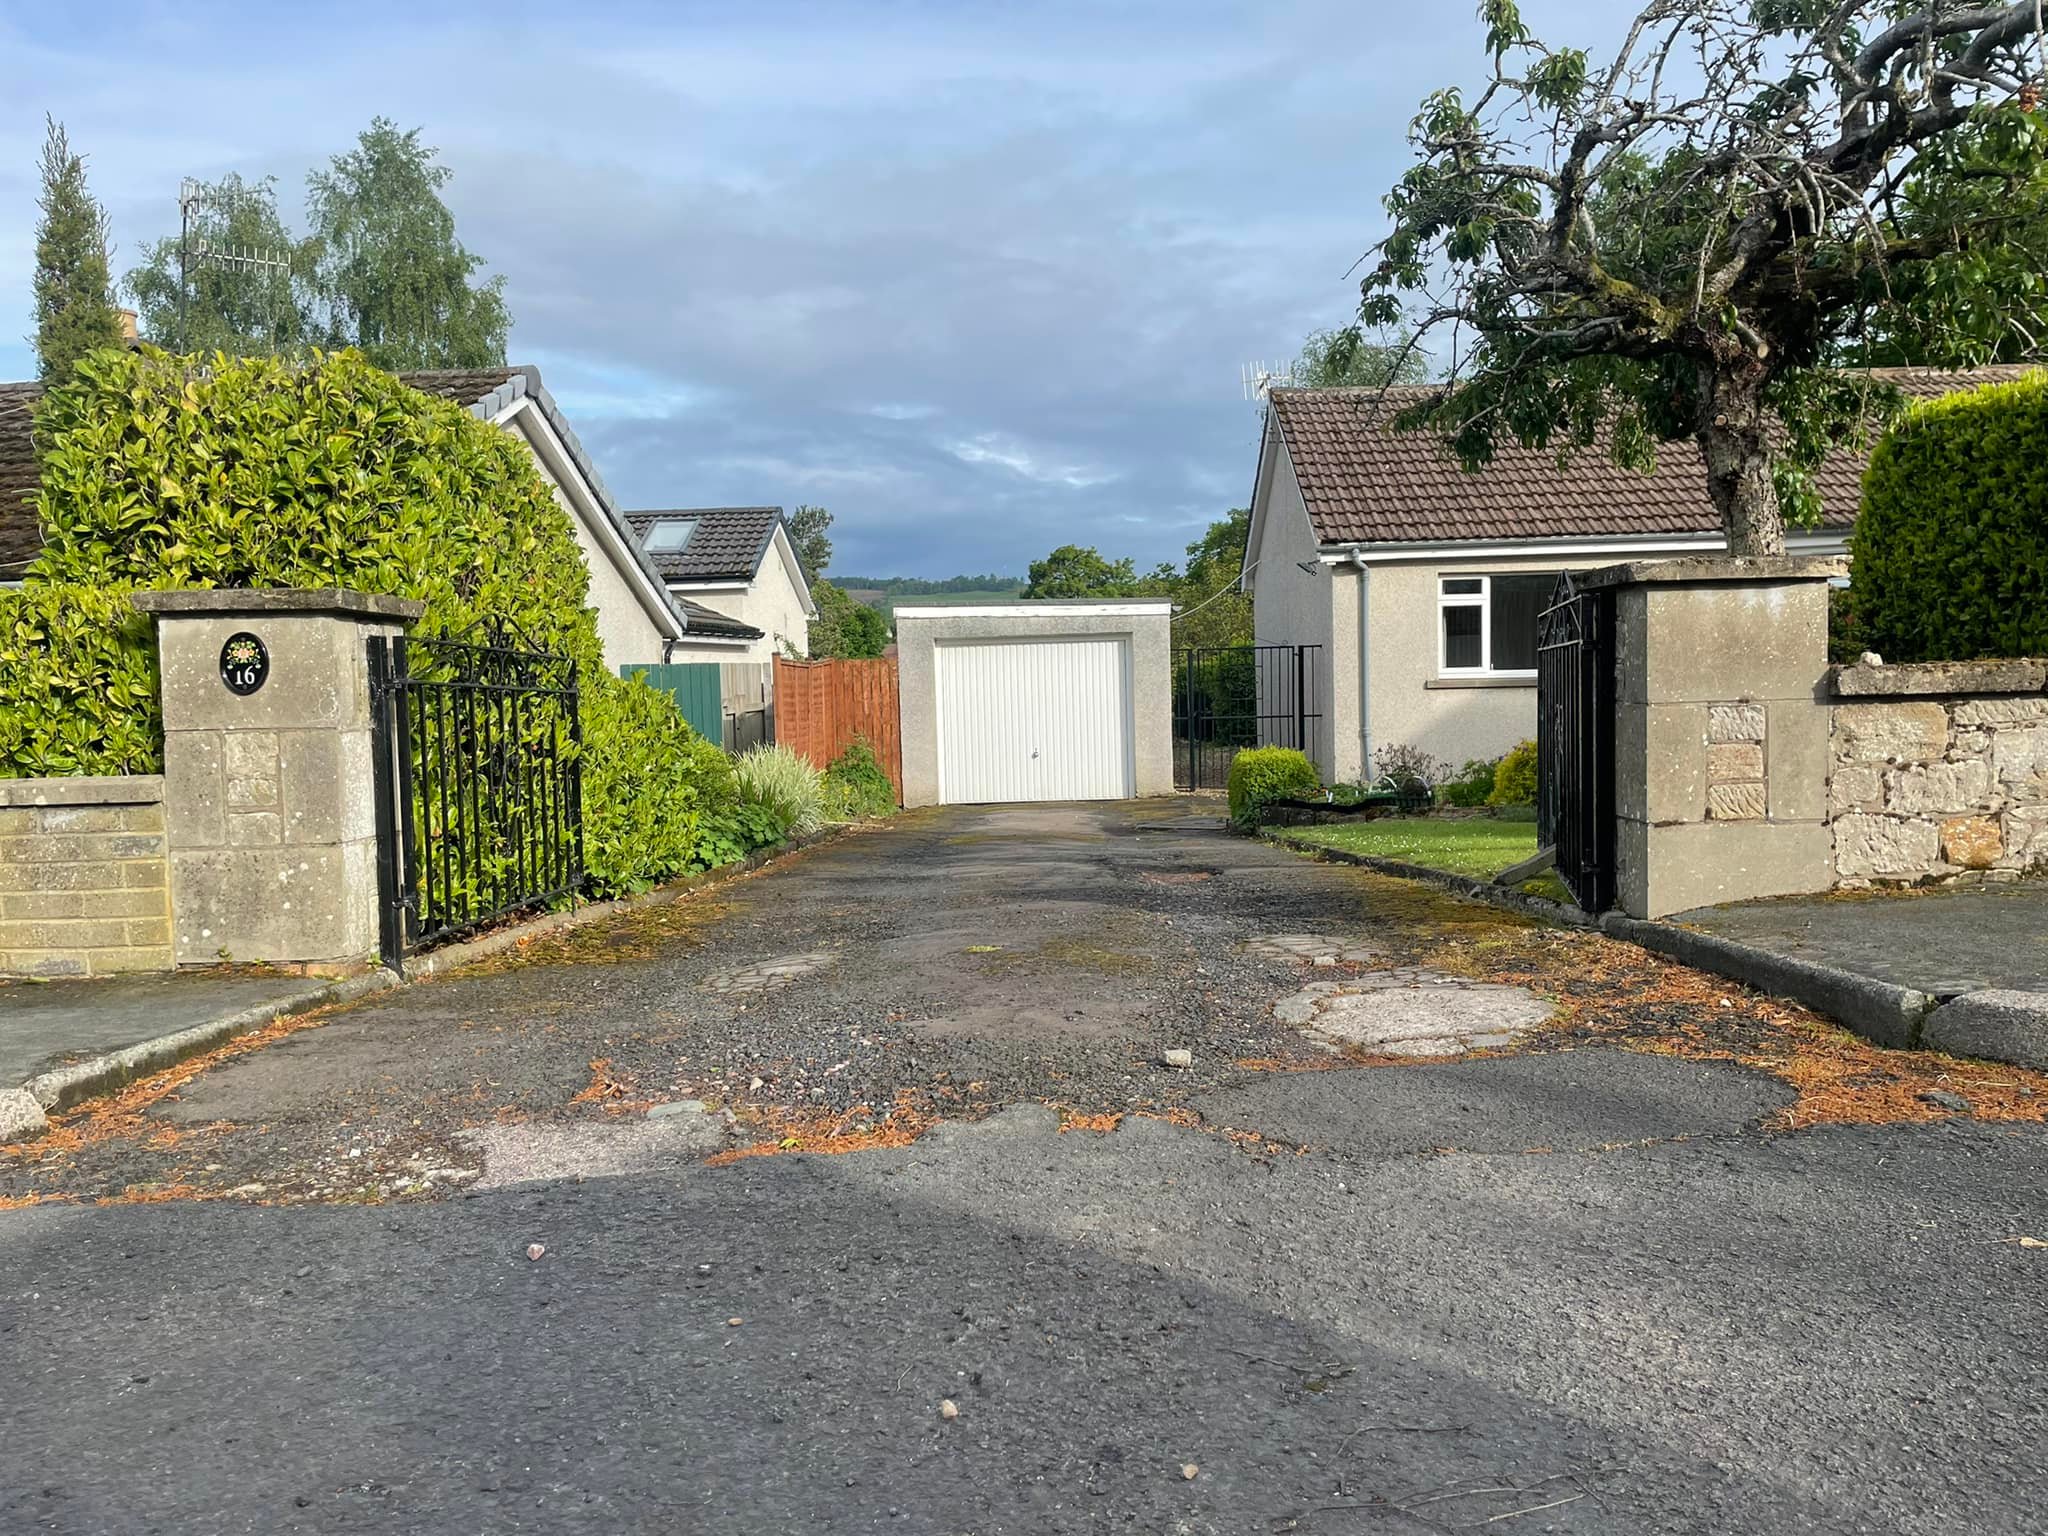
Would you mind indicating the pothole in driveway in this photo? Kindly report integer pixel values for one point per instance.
(770, 975)
(1412, 1013)
(1313, 949)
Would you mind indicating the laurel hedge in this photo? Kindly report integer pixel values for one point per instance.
(1950, 551)
(323, 471)
(79, 679)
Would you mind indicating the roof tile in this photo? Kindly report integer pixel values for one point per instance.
(727, 546)
(1365, 483)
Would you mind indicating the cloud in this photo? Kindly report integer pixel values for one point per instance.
(980, 280)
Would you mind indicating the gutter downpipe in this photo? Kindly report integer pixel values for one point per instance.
(1364, 667)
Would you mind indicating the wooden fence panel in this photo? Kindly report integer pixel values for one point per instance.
(822, 706)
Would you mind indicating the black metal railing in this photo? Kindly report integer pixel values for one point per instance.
(1226, 698)
(479, 745)
(1575, 740)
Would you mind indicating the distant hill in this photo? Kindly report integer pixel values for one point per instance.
(885, 592)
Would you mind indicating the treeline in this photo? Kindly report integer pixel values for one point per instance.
(923, 586)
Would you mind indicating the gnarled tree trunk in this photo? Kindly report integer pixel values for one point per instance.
(1737, 450)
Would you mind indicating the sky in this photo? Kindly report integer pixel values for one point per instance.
(980, 278)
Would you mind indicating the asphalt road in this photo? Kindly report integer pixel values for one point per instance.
(1830, 1332)
(1577, 1287)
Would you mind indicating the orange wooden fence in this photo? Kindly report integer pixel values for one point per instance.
(822, 706)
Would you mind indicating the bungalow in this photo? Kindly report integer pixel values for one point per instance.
(1421, 582)
(637, 620)
(737, 575)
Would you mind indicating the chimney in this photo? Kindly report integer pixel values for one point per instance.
(130, 336)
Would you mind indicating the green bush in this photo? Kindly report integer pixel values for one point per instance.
(1262, 774)
(650, 783)
(78, 674)
(855, 785)
(1514, 779)
(1950, 550)
(322, 471)
(1471, 785)
(781, 781)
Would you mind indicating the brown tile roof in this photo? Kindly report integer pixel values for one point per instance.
(1365, 483)
(728, 544)
(465, 386)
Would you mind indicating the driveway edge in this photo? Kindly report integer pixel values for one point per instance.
(1879, 1011)
(1539, 907)
(25, 1110)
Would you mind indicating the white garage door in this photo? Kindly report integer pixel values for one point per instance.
(1034, 720)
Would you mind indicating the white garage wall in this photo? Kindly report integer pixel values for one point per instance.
(1143, 625)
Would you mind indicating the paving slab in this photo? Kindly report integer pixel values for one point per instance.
(46, 1024)
(1944, 941)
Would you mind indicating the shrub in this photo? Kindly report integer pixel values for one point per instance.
(855, 785)
(649, 783)
(166, 472)
(1950, 549)
(782, 782)
(78, 673)
(1514, 780)
(1259, 775)
(1470, 785)
(1405, 767)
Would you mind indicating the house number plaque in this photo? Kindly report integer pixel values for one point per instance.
(244, 664)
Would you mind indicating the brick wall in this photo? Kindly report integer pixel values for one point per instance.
(1939, 772)
(84, 880)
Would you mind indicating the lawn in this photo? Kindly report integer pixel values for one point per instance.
(1480, 846)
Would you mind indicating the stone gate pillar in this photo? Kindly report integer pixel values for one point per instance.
(269, 805)
(1721, 730)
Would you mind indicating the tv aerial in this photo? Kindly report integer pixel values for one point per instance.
(1258, 380)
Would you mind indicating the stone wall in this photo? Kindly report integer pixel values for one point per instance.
(1939, 772)
(84, 881)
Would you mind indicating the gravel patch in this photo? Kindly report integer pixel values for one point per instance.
(1565, 1101)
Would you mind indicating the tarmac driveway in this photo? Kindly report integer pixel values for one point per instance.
(1666, 1257)
(953, 961)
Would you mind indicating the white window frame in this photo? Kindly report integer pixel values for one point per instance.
(1483, 601)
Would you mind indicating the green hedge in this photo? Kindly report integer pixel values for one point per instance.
(1262, 774)
(1514, 777)
(167, 472)
(1950, 551)
(78, 675)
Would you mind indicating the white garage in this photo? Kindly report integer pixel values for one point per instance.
(1043, 701)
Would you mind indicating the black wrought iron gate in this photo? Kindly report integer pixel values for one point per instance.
(1575, 739)
(479, 787)
(1233, 696)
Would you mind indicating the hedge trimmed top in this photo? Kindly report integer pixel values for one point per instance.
(1949, 558)
(261, 472)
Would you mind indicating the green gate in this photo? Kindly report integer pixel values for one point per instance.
(694, 687)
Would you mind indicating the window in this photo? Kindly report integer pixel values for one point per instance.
(668, 536)
(1487, 624)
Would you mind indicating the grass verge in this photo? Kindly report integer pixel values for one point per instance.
(1479, 846)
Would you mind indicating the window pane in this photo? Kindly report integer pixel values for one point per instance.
(1461, 637)
(670, 535)
(1461, 586)
(1518, 603)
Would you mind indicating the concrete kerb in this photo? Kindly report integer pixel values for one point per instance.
(1473, 889)
(25, 1110)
